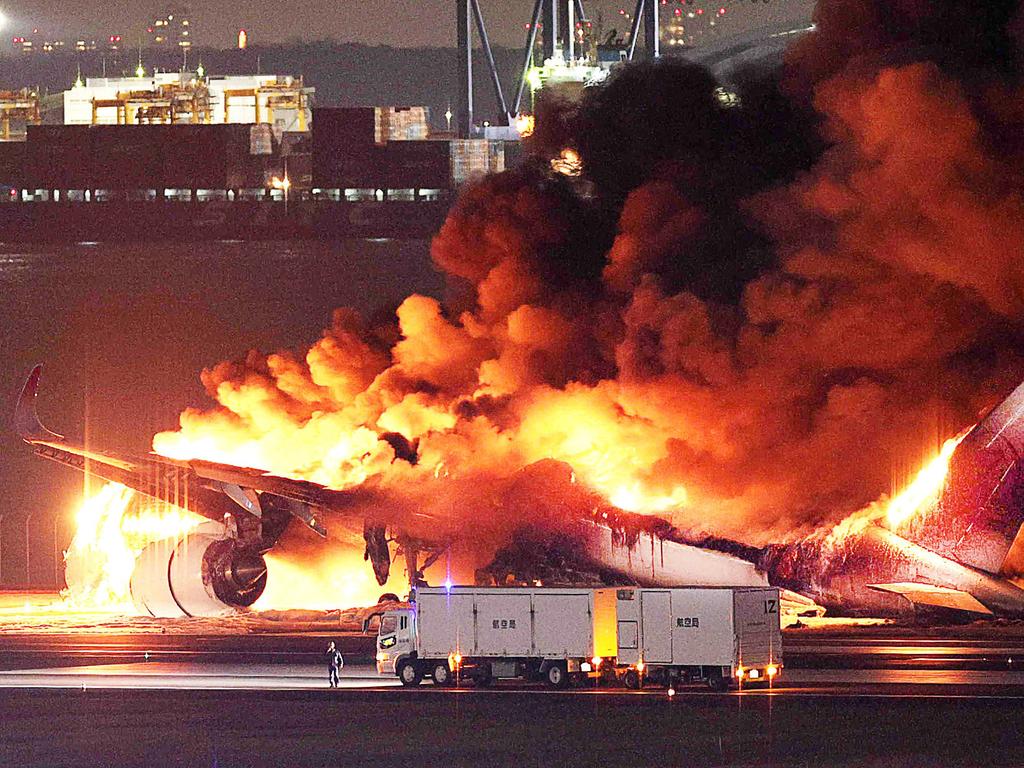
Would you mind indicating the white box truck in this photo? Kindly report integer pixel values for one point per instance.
(488, 633)
(721, 635)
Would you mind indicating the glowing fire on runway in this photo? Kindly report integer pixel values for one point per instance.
(338, 579)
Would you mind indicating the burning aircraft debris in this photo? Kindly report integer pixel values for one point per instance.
(739, 319)
(959, 519)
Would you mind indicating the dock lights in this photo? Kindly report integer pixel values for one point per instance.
(283, 184)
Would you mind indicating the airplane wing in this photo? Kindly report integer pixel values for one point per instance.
(931, 595)
(260, 503)
(153, 475)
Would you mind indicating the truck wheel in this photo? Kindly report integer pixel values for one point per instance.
(409, 674)
(557, 676)
(632, 680)
(442, 675)
(717, 683)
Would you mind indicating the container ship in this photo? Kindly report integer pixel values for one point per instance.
(185, 156)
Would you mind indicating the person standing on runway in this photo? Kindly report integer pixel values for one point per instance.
(335, 663)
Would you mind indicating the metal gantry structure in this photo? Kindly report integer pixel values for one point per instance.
(552, 21)
(648, 13)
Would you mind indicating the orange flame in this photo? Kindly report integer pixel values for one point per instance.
(108, 539)
(922, 492)
(336, 579)
(926, 487)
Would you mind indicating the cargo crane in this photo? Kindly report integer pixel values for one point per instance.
(267, 97)
(18, 106)
(162, 105)
(554, 23)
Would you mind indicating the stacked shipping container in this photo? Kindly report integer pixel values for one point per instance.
(382, 148)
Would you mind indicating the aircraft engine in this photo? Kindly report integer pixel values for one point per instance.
(201, 574)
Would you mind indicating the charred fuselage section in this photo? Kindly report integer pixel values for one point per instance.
(951, 554)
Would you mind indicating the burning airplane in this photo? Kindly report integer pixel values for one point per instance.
(943, 543)
(944, 546)
(731, 322)
(219, 565)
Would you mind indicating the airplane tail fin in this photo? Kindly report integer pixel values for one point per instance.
(26, 420)
(981, 509)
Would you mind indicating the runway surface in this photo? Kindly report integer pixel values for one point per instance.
(429, 727)
(221, 676)
(868, 648)
(866, 698)
(866, 662)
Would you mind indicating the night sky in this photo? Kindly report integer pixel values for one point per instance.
(380, 22)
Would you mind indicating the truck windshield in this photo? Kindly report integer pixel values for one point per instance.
(388, 625)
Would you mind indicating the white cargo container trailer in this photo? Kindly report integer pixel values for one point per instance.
(721, 635)
(488, 633)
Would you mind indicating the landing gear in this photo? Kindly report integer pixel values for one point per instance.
(409, 674)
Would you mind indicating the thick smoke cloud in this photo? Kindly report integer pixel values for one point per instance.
(753, 313)
(970, 42)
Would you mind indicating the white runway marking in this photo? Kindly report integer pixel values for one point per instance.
(171, 675)
(919, 683)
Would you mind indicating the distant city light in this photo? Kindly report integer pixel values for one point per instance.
(243, 39)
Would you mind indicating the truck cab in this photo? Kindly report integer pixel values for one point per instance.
(396, 639)
(483, 634)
